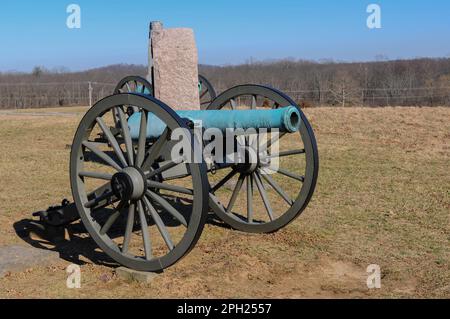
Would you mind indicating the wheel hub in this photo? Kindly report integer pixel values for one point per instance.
(129, 184)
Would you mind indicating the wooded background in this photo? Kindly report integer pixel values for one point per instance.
(417, 82)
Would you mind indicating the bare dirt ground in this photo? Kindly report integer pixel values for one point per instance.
(383, 197)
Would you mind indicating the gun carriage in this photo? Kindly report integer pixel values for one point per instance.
(146, 207)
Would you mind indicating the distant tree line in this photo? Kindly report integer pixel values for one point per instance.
(48, 88)
(417, 82)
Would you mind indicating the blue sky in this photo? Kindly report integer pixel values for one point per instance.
(227, 31)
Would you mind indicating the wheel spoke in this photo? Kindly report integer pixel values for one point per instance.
(112, 219)
(126, 136)
(108, 160)
(106, 188)
(276, 187)
(142, 139)
(252, 140)
(98, 199)
(173, 188)
(204, 93)
(128, 87)
(287, 153)
(129, 228)
(169, 208)
(206, 102)
(235, 194)
(112, 140)
(145, 232)
(165, 167)
(264, 197)
(115, 117)
(233, 104)
(253, 106)
(159, 224)
(273, 139)
(155, 149)
(96, 175)
(290, 174)
(249, 198)
(224, 180)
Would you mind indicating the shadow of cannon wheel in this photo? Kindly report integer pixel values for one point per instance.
(73, 242)
(78, 244)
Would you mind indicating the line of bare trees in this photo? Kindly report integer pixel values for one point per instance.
(417, 82)
(48, 88)
(52, 94)
(424, 82)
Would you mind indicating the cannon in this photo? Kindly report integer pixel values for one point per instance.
(286, 119)
(146, 205)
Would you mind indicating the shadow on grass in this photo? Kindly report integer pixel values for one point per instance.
(76, 244)
(73, 241)
(213, 220)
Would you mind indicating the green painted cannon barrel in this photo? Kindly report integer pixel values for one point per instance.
(285, 119)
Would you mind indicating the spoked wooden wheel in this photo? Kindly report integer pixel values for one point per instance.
(134, 214)
(207, 92)
(133, 84)
(279, 187)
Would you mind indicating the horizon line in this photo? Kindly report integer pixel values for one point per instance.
(249, 61)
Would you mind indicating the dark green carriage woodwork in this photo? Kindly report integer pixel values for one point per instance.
(137, 201)
(206, 91)
(310, 154)
(134, 84)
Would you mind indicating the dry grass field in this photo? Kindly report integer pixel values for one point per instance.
(383, 197)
